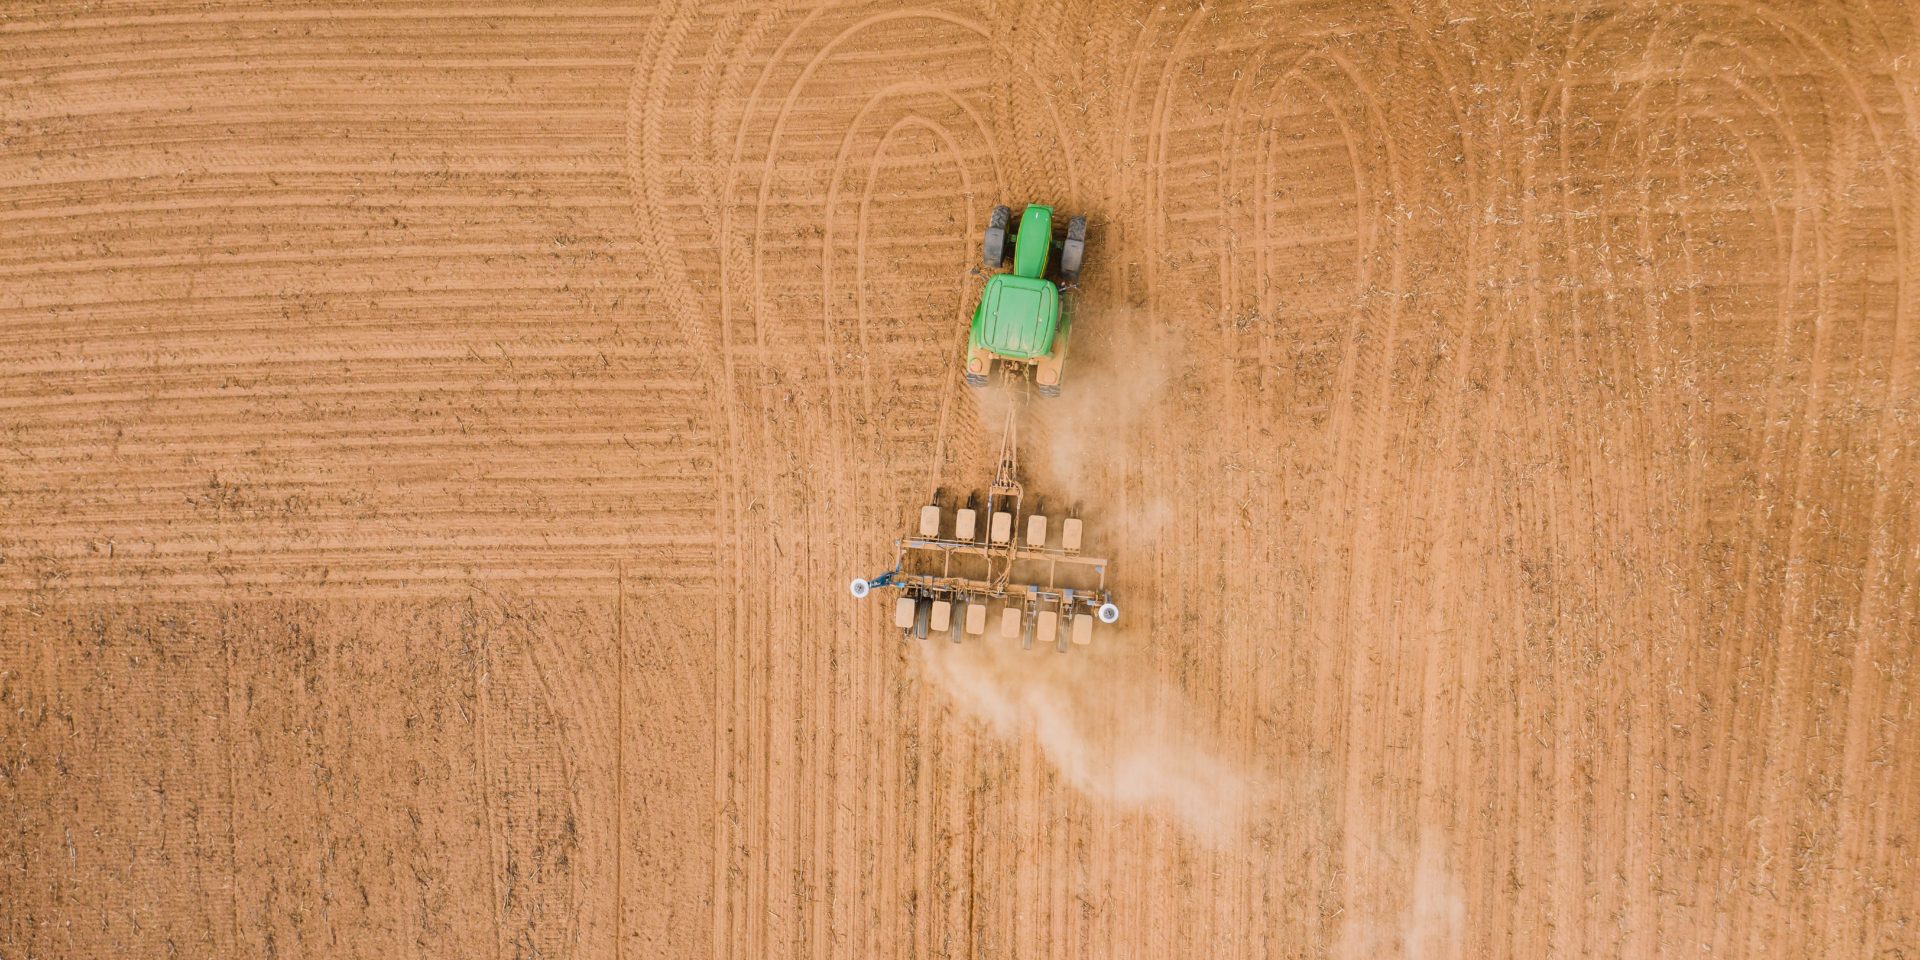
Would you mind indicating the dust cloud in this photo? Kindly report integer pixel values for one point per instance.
(1104, 721)
(1430, 922)
(1113, 727)
(1113, 383)
(1117, 736)
(1109, 732)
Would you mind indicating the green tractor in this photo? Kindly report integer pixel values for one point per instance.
(1020, 320)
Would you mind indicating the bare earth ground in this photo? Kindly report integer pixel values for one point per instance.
(434, 441)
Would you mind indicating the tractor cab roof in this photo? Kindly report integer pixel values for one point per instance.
(1017, 316)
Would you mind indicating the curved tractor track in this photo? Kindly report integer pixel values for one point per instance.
(433, 442)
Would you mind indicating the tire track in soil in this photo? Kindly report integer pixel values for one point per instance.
(1571, 212)
(1752, 717)
(1143, 194)
(1290, 69)
(786, 108)
(1647, 580)
(721, 380)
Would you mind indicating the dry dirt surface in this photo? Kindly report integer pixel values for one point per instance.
(435, 440)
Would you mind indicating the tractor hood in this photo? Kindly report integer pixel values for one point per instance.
(1017, 316)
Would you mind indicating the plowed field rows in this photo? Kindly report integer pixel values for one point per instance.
(434, 441)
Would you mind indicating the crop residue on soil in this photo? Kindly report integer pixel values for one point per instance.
(434, 442)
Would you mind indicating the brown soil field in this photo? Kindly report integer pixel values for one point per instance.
(435, 441)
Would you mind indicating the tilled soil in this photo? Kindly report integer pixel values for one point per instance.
(435, 440)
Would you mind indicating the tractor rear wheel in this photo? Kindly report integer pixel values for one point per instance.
(1074, 250)
(993, 250)
(1046, 390)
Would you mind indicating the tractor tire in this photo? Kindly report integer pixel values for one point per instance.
(1050, 392)
(922, 614)
(993, 250)
(1074, 250)
(977, 381)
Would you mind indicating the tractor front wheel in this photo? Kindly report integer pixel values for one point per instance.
(993, 250)
(1074, 250)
